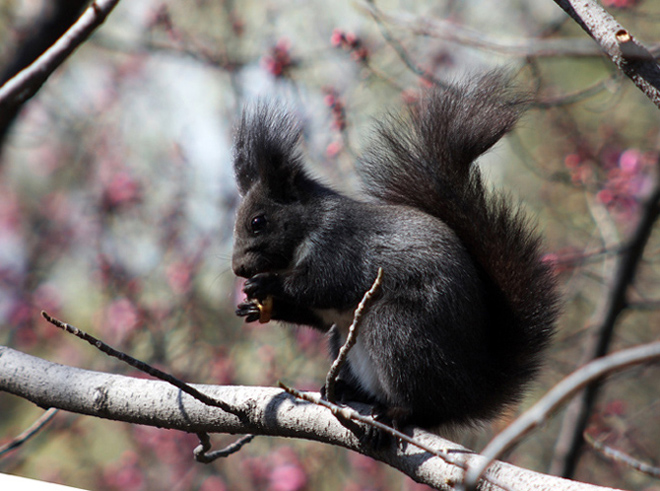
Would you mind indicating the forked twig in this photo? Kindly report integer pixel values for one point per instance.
(203, 455)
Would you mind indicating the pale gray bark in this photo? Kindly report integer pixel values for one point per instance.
(261, 410)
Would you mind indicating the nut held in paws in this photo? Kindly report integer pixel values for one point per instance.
(265, 309)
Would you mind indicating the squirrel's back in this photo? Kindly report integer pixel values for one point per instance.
(424, 159)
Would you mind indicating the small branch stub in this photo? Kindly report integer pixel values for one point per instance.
(623, 36)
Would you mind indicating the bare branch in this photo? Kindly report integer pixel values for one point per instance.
(400, 50)
(540, 411)
(450, 31)
(626, 52)
(597, 344)
(265, 411)
(621, 457)
(27, 82)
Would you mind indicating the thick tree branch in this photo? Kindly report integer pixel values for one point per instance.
(627, 53)
(265, 411)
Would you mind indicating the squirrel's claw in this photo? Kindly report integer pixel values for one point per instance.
(250, 310)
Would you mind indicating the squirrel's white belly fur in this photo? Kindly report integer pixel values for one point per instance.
(359, 357)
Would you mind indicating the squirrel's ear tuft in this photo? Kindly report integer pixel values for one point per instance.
(267, 151)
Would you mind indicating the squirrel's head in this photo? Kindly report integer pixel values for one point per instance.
(276, 212)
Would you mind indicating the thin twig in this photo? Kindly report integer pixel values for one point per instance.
(348, 413)
(34, 428)
(644, 305)
(450, 31)
(140, 365)
(351, 338)
(396, 45)
(540, 411)
(622, 457)
(203, 455)
(577, 96)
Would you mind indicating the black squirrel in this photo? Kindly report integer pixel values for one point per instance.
(466, 305)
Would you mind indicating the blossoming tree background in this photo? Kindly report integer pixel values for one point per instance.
(117, 202)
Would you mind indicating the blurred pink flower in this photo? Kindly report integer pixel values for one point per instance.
(605, 196)
(179, 277)
(333, 149)
(349, 41)
(10, 212)
(121, 317)
(47, 297)
(278, 61)
(256, 470)
(122, 189)
(630, 160)
(620, 4)
(333, 100)
(169, 446)
(222, 367)
(287, 477)
(213, 483)
(126, 474)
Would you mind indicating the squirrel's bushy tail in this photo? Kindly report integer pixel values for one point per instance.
(424, 159)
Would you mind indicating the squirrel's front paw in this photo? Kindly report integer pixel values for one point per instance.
(261, 286)
(250, 310)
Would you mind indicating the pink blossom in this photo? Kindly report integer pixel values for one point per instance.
(572, 160)
(410, 96)
(121, 317)
(287, 477)
(125, 474)
(222, 367)
(605, 196)
(278, 61)
(179, 277)
(350, 42)
(630, 160)
(213, 483)
(337, 37)
(121, 190)
(620, 4)
(617, 407)
(10, 212)
(333, 149)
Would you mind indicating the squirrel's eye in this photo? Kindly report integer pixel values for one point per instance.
(258, 224)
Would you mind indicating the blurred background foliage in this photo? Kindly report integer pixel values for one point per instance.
(117, 202)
